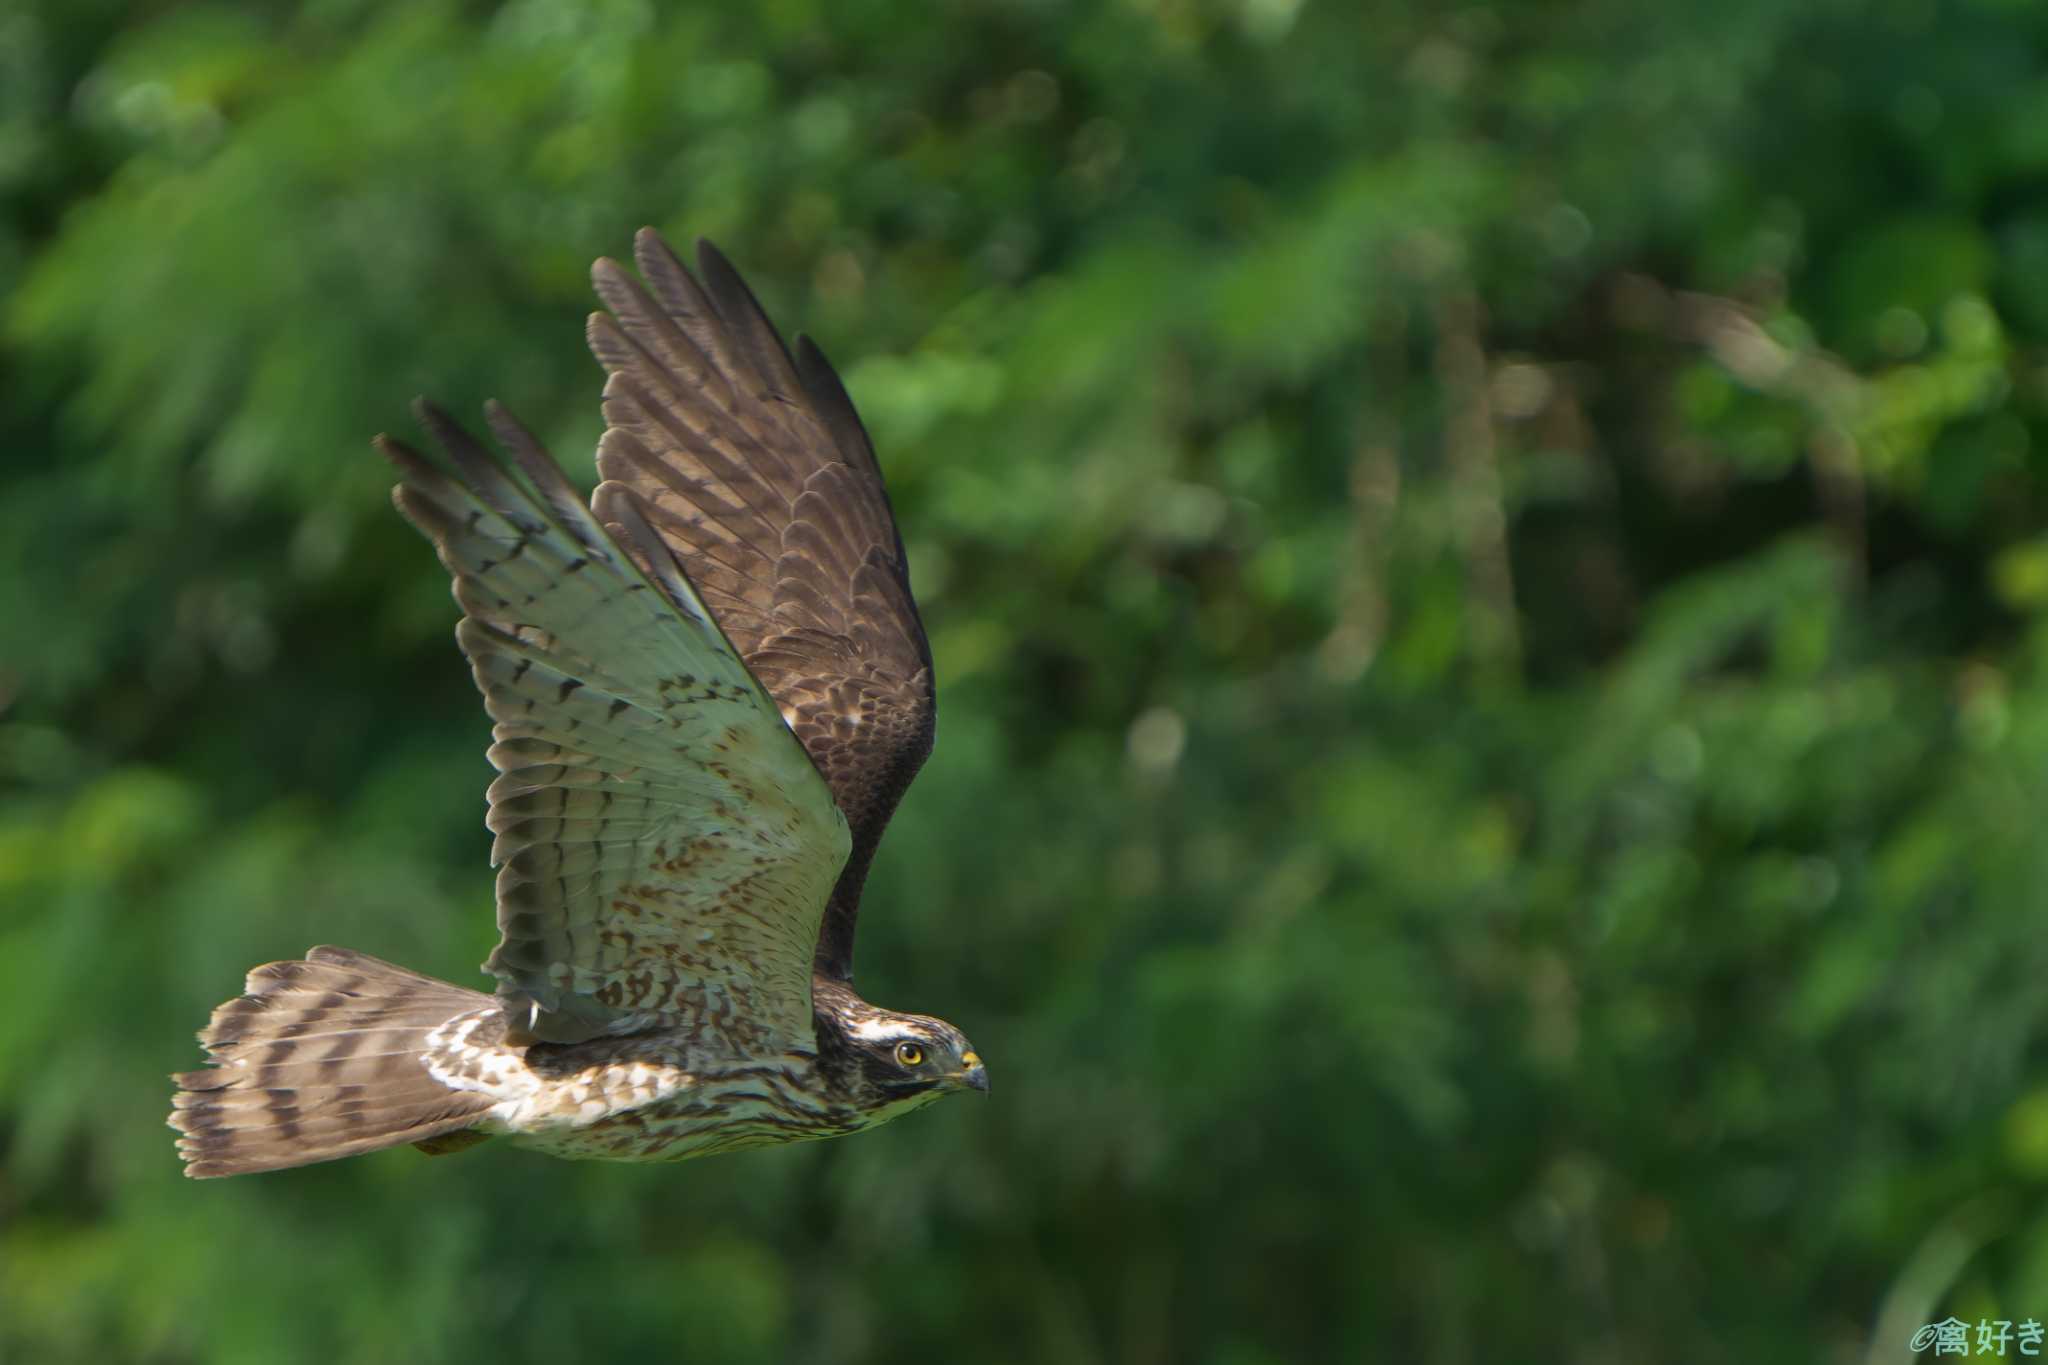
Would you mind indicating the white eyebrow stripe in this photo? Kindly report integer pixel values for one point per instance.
(880, 1030)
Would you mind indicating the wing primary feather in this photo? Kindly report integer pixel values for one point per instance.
(488, 480)
(620, 510)
(683, 299)
(652, 336)
(479, 467)
(744, 318)
(835, 408)
(564, 504)
(735, 459)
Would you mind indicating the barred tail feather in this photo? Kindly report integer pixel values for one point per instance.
(321, 1058)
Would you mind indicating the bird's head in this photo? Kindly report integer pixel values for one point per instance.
(892, 1063)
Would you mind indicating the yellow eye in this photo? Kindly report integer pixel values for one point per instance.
(909, 1054)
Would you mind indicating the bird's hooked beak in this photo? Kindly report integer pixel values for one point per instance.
(973, 1073)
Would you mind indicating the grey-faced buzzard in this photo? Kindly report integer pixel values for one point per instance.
(710, 688)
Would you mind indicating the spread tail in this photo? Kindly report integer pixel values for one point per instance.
(322, 1058)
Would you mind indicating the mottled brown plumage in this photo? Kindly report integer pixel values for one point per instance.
(756, 471)
(710, 688)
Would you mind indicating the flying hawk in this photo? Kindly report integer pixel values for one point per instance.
(710, 688)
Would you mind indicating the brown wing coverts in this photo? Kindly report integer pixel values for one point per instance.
(756, 471)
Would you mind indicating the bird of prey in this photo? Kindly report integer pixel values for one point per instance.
(710, 688)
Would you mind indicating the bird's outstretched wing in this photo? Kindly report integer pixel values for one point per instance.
(663, 843)
(756, 472)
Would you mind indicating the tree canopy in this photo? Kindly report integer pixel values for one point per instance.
(1487, 571)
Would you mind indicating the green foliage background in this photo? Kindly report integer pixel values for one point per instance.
(1487, 568)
